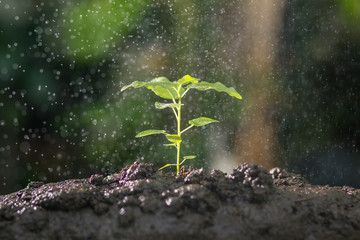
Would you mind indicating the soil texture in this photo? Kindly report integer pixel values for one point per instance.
(143, 203)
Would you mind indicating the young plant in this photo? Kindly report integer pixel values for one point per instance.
(176, 91)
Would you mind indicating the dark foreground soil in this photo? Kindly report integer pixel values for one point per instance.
(142, 203)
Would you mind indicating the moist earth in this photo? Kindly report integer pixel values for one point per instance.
(143, 203)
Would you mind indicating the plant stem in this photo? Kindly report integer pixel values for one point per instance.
(186, 129)
(178, 159)
(179, 133)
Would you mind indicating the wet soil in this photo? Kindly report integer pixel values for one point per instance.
(143, 203)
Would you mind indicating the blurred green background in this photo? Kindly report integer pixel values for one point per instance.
(62, 64)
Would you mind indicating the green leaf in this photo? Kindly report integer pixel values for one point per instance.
(166, 93)
(203, 86)
(166, 105)
(167, 165)
(202, 121)
(135, 84)
(162, 81)
(187, 79)
(161, 86)
(150, 132)
(174, 138)
(189, 157)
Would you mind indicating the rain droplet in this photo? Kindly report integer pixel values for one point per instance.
(24, 146)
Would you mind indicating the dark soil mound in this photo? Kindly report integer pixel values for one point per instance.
(142, 203)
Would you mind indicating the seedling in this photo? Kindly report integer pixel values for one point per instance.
(176, 91)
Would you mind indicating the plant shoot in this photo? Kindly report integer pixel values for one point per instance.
(176, 91)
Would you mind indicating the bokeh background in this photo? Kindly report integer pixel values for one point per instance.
(62, 64)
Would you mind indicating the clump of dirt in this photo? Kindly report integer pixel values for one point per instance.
(141, 202)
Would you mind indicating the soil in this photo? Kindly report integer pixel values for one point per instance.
(143, 203)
